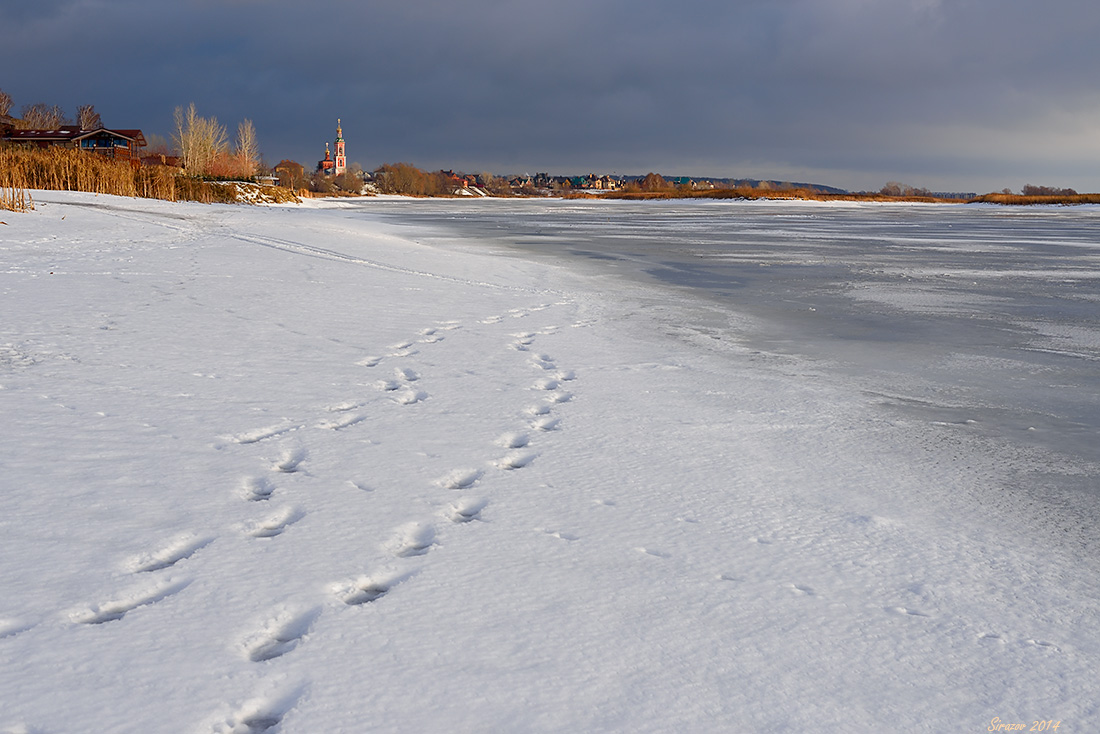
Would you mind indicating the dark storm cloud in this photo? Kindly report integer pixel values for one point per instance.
(974, 94)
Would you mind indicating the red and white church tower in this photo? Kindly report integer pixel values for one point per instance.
(330, 166)
(341, 156)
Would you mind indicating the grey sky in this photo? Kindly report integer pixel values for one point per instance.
(971, 95)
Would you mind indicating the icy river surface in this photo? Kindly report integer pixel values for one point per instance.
(982, 320)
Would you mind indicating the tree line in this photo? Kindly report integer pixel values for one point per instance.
(42, 116)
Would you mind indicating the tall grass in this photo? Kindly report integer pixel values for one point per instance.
(744, 192)
(69, 169)
(14, 199)
(1021, 200)
(13, 194)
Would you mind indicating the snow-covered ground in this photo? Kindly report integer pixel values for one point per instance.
(290, 470)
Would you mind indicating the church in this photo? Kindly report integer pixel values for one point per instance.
(334, 166)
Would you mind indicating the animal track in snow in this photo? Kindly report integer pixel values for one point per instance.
(408, 396)
(412, 539)
(12, 627)
(255, 716)
(654, 552)
(543, 362)
(366, 589)
(291, 460)
(546, 423)
(459, 478)
(561, 535)
(140, 596)
(183, 546)
(465, 509)
(344, 421)
(387, 385)
(404, 373)
(492, 320)
(516, 460)
(275, 523)
(369, 361)
(546, 383)
(906, 611)
(801, 589)
(262, 434)
(343, 407)
(360, 485)
(566, 375)
(537, 410)
(514, 440)
(560, 397)
(257, 489)
(279, 635)
(1043, 643)
(430, 336)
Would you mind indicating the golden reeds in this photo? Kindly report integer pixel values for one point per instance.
(1020, 200)
(742, 192)
(15, 199)
(70, 169)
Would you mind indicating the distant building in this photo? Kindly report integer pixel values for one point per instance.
(291, 174)
(334, 166)
(120, 144)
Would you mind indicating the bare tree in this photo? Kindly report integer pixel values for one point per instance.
(1032, 190)
(248, 150)
(5, 103)
(41, 116)
(157, 145)
(200, 140)
(654, 182)
(87, 118)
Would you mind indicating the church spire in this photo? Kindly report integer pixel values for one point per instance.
(341, 163)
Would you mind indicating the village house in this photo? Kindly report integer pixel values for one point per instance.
(291, 174)
(117, 144)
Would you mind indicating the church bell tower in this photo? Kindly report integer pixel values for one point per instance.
(341, 156)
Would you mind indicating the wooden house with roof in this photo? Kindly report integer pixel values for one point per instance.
(117, 144)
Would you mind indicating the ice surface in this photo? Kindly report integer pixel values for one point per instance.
(215, 521)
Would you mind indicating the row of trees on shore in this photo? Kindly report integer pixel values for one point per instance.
(42, 116)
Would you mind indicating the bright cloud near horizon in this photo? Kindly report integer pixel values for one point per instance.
(959, 95)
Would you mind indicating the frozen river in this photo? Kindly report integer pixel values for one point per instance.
(982, 321)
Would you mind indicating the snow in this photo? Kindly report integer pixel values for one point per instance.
(293, 470)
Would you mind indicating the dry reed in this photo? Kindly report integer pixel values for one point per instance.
(1020, 200)
(69, 169)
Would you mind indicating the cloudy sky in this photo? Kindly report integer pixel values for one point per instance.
(962, 95)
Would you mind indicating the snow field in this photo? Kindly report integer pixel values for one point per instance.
(288, 471)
